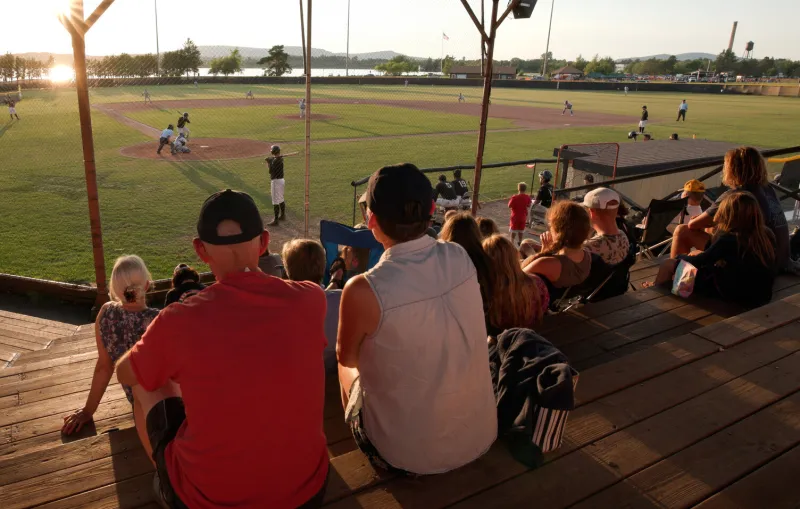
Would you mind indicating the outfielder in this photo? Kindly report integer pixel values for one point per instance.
(146, 96)
(166, 134)
(568, 106)
(179, 145)
(302, 108)
(461, 97)
(277, 183)
(626, 89)
(182, 121)
(249, 95)
(12, 108)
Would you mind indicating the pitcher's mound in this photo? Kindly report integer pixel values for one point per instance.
(315, 116)
(202, 149)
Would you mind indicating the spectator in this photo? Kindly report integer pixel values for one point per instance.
(185, 283)
(519, 205)
(518, 299)
(588, 179)
(271, 263)
(305, 261)
(119, 325)
(529, 247)
(487, 226)
(694, 191)
(611, 244)
(413, 357)
(743, 169)
(445, 194)
(463, 230)
(563, 261)
(450, 214)
(739, 265)
(459, 184)
(247, 353)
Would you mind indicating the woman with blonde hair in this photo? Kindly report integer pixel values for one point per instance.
(518, 299)
(743, 170)
(563, 260)
(119, 325)
(462, 229)
(739, 264)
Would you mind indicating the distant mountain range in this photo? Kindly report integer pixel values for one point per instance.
(679, 56)
(207, 52)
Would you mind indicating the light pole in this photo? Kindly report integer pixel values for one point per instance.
(547, 48)
(347, 59)
(158, 52)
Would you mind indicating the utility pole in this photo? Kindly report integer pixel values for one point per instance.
(547, 48)
(347, 61)
(158, 52)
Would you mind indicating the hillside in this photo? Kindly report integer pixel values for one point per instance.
(679, 56)
(207, 52)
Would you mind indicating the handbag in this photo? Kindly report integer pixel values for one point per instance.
(684, 279)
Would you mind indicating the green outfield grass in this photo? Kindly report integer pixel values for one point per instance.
(150, 207)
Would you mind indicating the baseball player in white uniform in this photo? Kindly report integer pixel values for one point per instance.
(302, 105)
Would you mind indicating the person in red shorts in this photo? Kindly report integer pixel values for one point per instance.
(232, 380)
(519, 204)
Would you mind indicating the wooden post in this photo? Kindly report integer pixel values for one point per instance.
(308, 119)
(487, 92)
(77, 28)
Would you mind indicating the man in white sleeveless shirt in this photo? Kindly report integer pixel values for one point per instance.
(412, 351)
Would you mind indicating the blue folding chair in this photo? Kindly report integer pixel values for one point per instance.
(332, 235)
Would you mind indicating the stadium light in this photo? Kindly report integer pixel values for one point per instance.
(522, 9)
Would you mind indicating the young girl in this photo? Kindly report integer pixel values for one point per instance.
(739, 265)
(462, 229)
(185, 283)
(563, 260)
(119, 325)
(518, 299)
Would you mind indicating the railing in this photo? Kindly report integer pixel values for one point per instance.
(530, 162)
(717, 161)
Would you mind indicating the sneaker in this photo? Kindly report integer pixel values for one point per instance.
(274, 222)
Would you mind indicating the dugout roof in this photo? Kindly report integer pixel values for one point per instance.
(636, 158)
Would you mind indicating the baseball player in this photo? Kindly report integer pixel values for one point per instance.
(195, 83)
(182, 121)
(12, 108)
(166, 134)
(249, 95)
(568, 106)
(277, 183)
(682, 111)
(302, 108)
(146, 96)
(643, 121)
(179, 145)
(626, 89)
(461, 97)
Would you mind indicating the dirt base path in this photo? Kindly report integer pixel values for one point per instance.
(202, 149)
(535, 118)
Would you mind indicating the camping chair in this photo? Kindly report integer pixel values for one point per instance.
(660, 214)
(604, 281)
(332, 235)
(712, 194)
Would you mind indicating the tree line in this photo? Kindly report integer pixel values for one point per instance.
(19, 68)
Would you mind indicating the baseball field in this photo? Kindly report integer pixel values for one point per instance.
(149, 202)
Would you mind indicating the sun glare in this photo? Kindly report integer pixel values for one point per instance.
(62, 73)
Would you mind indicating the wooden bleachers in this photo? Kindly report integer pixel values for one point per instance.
(20, 334)
(680, 403)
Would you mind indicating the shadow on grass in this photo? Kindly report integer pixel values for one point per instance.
(6, 127)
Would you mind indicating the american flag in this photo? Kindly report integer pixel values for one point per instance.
(444, 36)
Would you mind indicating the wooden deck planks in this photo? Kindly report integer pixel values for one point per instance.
(691, 475)
(772, 486)
(774, 314)
(131, 493)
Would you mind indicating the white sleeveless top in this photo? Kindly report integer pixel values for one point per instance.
(429, 406)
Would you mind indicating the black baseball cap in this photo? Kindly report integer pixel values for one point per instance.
(229, 205)
(392, 188)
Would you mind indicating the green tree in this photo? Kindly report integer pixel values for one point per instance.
(602, 66)
(191, 60)
(173, 63)
(7, 62)
(226, 65)
(277, 62)
(580, 63)
(447, 64)
(726, 61)
(398, 65)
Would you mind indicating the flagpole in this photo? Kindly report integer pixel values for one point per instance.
(441, 60)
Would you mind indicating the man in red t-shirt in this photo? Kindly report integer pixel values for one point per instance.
(519, 204)
(245, 357)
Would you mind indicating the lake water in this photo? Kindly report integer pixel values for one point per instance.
(315, 72)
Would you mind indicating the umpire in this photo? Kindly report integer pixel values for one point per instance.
(277, 184)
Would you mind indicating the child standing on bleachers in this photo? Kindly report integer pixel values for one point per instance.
(519, 204)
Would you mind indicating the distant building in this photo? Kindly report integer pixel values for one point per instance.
(567, 73)
(474, 72)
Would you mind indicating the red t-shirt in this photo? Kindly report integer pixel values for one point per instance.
(519, 205)
(247, 353)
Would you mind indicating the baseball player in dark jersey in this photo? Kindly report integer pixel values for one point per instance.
(277, 184)
(182, 121)
(12, 109)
